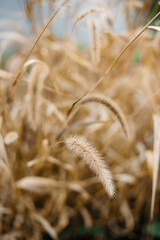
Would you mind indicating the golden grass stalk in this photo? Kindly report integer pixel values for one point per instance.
(80, 146)
(109, 103)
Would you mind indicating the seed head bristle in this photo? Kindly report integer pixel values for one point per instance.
(80, 146)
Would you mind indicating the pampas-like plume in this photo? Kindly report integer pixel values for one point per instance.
(95, 44)
(109, 103)
(80, 146)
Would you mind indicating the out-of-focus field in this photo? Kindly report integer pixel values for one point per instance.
(77, 119)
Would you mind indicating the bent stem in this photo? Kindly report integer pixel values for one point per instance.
(37, 40)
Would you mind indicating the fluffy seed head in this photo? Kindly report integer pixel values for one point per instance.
(80, 146)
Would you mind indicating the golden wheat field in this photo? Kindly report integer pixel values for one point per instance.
(80, 121)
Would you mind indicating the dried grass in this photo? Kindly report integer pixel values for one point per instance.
(45, 190)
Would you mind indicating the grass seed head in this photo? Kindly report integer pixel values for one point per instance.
(80, 146)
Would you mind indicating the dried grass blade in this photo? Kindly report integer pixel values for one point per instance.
(45, 224)
(154, 27)
(52, 160)
(3, 152)
(34, 61)
(31, 62)
(156, 160)
(56, 161)
(14, 23)
(79, 124)
(36, 184)
(43, 185)
(14, 36)
(6, 75)
(127, 214)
